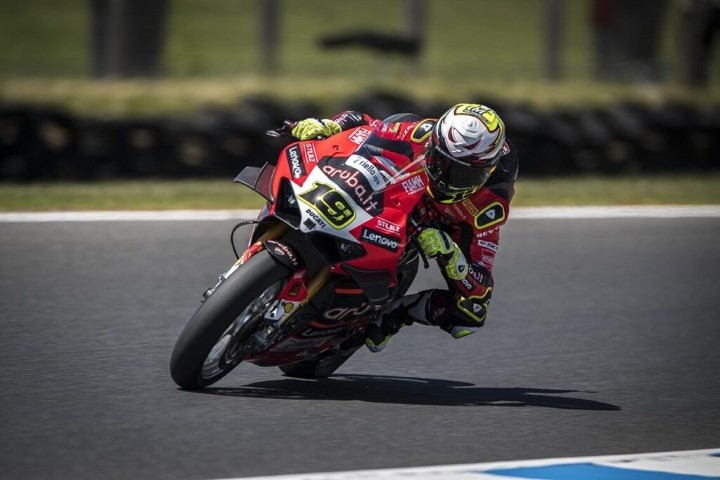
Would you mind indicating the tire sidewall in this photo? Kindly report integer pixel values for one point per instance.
(215, 315)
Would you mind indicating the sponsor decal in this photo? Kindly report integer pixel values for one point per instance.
(391, 127)
(438, 313)
(448, 215)
(487, 257)
(387, 226)
(470, 208)
(311, 332)
(341, 313)
(330, 204)
(359, 135)
(283, 250)
(297, 168)
(487, 232)
(379, 239)
(487, 116)
(490, 245)
(456, 207)
(309, 152)
(362, 193)
(414, 184)
(369, 171)
(317, 220)
(466, 283)
(476, 274)
(490, 215)
(422, 131)
(282, 311)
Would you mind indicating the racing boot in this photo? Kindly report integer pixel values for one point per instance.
(397, 315)
(377, 335)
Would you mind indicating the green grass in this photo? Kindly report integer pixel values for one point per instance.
(474, 50)
(640, 190)
(223, 194)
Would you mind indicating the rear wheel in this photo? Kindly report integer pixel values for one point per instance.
(215, 340)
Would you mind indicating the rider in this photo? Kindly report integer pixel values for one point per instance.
(471, 169)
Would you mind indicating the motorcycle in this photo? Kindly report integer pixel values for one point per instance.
(333, 246)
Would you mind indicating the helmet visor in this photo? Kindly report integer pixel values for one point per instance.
(453, 174)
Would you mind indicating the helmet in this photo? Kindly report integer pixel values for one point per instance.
(463, 151)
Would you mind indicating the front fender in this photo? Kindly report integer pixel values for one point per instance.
(283, 253)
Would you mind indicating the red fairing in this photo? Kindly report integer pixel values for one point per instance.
(379, 194)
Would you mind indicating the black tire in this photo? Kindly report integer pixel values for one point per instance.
(217, 313)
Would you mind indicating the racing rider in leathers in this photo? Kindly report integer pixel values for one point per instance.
(472, 170)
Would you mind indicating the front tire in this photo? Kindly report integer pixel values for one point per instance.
(213, 341)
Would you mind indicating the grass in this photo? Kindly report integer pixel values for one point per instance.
(475, 50)
(223, 194)
(478, 49)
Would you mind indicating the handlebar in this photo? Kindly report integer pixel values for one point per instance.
(417, 226)
(286, 131)
(282, 132)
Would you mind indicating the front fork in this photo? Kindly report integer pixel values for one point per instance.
(299, 290)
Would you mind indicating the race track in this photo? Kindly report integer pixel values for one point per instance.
(603, 338)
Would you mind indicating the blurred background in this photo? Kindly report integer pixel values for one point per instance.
(106, 89)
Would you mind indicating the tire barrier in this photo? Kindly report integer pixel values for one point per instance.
(38, 143)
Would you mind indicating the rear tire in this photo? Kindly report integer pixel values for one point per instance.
(211, 344)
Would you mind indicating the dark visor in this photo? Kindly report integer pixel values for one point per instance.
(455, 174)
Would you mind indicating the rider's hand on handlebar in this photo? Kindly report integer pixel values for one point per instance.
(312, 128)
(436, 243)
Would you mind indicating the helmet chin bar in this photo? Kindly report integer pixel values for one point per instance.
(449, 196)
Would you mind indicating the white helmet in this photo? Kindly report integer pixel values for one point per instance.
(465, 147)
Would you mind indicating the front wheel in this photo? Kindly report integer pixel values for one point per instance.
(215, 339)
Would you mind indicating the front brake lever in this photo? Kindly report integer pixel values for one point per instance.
(426, 263)
(282, 132)
(416, 225)
(286, 131)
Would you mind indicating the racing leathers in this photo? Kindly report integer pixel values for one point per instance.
(473, 225)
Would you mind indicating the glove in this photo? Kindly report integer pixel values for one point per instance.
(436, 243)
(312, 128)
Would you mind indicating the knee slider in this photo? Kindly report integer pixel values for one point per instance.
(473, 310)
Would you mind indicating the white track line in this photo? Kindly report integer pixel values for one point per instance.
(694, 463)
(649, 211)
(641, 211)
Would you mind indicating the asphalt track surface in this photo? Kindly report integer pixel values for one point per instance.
(603, 338)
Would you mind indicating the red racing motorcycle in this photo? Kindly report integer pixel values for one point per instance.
(333, 245)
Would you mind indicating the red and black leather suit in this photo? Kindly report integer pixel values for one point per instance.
(474, 224)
